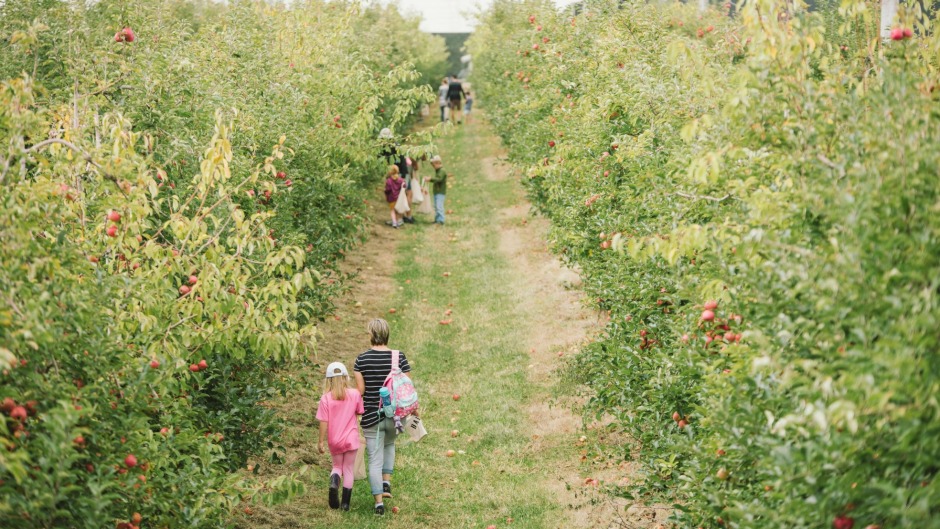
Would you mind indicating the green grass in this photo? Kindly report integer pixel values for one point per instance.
(497, 473)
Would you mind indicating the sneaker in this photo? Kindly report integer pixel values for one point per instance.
(386, 489)
(396, 226)
(334, 491)
(389, 223)
(409, 220)
(380, 510)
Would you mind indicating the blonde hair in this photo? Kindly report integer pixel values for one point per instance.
(337, 386)
(392, 170)
(378, 332)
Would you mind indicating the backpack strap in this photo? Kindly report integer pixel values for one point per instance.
(394, 365)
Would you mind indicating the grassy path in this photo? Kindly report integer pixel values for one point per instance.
(519, 457)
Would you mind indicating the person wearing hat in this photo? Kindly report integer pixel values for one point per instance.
(338, 414)
(440, 188)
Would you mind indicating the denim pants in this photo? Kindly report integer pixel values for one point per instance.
(380, 449)
(443, 113)
(439, 207)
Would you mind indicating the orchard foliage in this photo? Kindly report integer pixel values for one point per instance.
(754, 201)
(173, 206)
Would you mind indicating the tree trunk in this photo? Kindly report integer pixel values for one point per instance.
(889, 10)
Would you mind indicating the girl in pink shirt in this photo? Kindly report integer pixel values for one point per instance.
(338, 414)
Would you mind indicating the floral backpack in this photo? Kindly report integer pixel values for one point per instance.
(404, 396)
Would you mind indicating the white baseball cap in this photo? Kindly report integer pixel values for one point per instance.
(336, 369)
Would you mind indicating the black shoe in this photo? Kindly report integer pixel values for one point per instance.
(347, 495)
(380, 510)
(334, 491)
(386, 489)
(409, 220)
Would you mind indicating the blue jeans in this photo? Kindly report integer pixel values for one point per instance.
(439, 207)
(380, 449)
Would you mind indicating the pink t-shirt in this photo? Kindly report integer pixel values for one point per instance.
(342, 434)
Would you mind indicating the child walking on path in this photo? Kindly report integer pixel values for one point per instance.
(339, 407)
(440, 189)
(468, 107)
(393, 187)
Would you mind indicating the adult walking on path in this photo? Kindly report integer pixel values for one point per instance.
(442, 98)
(455, 95)
(393, 155)
(371, 369)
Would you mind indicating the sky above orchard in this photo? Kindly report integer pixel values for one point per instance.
(450, 16)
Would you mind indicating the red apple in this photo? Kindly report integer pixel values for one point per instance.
(531, 19)
(720, 452)
(896, 34)
(18, 413)
(164, 431)
(154, 364)
(194, 368)
(114, 216)
(454, 433)
(711, 304)
(535, 47)
(288, 183)
(111, 231)
(729, 336)
(8, 405)
(130, 461)
(722, 474)
(682, 424)
(395, 509)
(281, 175)
(79, 440)
(843, 522)
(184, 290)
(456, 396)
(551, 143)
(708, 315)
(908, 32)
(137, 518)
(450, 453)
(118, 37)
(676, 416)
(128, 34)
(605, 245)
(203, 365)
(685, 338)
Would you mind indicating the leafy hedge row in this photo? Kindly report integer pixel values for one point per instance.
(175, 196)
(755, 202)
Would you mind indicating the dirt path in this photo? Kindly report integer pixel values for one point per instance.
(484, 313)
